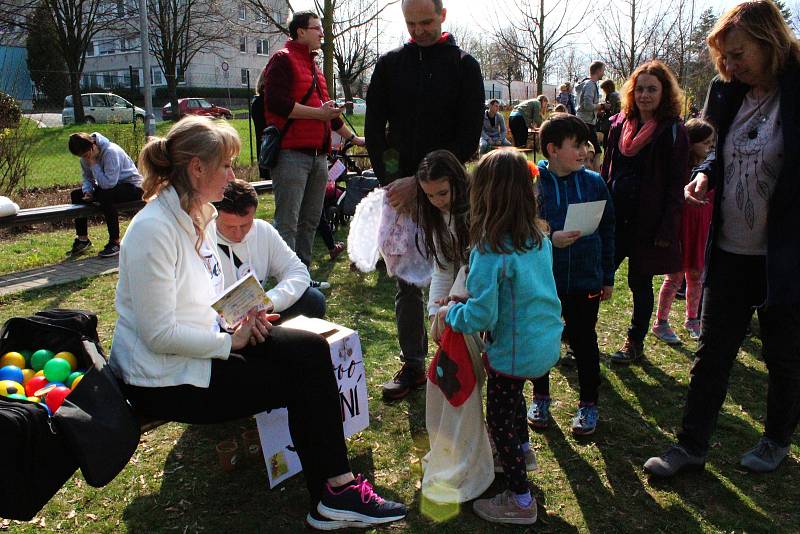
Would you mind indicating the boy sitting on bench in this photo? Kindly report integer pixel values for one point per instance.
(109, 177)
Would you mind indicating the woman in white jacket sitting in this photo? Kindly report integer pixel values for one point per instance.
(179, 364)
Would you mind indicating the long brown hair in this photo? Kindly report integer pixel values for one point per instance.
(455, 249)
(764, 23)
(503, 207)
(671, 94)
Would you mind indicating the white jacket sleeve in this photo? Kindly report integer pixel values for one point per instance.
(151, 269)
(283, 265)
(441, 282)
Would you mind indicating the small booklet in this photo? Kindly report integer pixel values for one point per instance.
(584, 217)
(240, 298)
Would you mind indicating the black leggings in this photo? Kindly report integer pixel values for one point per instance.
(519, 130)
(291, 369)
(106, 198)
(505, 416)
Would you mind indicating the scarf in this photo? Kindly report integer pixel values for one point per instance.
(631, 142)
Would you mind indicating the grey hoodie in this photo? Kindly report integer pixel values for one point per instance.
(115, 167)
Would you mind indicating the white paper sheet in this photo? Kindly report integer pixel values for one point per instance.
(584, 217)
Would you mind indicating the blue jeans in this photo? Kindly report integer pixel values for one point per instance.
(311, 304)
(298, 183)
(485, 146)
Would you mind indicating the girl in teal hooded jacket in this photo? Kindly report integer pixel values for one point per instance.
(512, 297)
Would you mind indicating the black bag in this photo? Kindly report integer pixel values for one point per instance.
(94, 429)
(271, 136)
(357, 188)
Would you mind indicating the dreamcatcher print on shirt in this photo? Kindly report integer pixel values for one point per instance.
(748, 166)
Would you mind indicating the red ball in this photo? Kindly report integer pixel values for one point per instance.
(56, 397)
(35, 384)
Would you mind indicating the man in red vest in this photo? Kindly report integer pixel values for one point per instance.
(296, 101)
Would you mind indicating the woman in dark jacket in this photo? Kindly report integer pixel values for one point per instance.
(753, 251)
(647, 155)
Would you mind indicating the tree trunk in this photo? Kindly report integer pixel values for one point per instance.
(347, 89)
(327, 46)
(75, 90)
(172, 94)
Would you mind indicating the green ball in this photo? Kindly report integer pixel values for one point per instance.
(41, 357)
(27, 354)
(57, 370)
(18, 396)
(71, 378)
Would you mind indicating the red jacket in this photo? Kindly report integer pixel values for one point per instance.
(287, 78)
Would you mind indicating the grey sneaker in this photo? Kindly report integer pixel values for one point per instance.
(694, 328)
(766, 456)
(663, 331)
(539, 412)
(585, 420)
(503, 508)
(530, 462)
(673, 461)
(109, 251)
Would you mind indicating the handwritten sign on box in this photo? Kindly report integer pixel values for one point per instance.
(348, 367)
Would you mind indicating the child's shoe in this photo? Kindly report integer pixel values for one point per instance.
(663, 331)
(585, 421)
(539, 412)
(694, 328)
(503, 508)
(630, 352)
(358, 502)
(337, 249)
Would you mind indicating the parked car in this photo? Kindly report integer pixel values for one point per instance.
(102, 107)
(195, 106)
(359, 105)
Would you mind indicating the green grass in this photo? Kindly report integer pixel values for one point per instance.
(53, 165)
(589, 485)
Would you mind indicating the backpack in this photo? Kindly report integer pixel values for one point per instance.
(357, 188)
(95, 428)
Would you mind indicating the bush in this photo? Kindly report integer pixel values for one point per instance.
(10, 113)
(15, 154)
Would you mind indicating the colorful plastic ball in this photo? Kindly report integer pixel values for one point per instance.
(13, 358)
(35, 384)
(76, 381)
(39, 358)
(34, 399)
(39, 373)
(18, 396)
(73, 361)
(57, 370)
(71, 378)
(12, 372)
(10, 387)
(56, 397)
(27, 374)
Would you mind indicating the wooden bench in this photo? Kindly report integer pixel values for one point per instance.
(62, 212)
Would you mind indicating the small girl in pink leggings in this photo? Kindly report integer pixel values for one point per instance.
(694, 234)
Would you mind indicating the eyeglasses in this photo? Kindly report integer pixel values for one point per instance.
(318, 28)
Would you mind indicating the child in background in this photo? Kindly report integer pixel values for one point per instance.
(583, 266)
(512, 296)
(695, 225)
(589, 158)
(443, 205)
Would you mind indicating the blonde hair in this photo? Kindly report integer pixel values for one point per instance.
(762, 21)
(164, 161)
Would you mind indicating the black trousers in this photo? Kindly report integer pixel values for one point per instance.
(519, 130)
(106, 198)
(737, 285)
(291, 369)
(580, 318)
(640, 284)
(410, 317)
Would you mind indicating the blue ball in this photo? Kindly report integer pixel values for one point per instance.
(12, 372)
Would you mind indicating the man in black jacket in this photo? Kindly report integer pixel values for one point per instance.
(426, 95)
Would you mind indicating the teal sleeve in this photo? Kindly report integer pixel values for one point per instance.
(480, 311)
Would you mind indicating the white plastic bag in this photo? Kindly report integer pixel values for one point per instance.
(8, 207)
(362, 240)
(399, 237)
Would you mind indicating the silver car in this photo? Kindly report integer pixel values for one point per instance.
(102, 107)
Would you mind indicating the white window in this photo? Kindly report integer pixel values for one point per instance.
(242, 44)
(261, 18)
(131, 44)
(262, 47)
(107, 47)
(244, 76)
(242, 12)
(157, 76)
(90, 51)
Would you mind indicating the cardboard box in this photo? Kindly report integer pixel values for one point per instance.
(348, 367)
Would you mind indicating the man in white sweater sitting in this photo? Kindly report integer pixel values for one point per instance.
(247, 244)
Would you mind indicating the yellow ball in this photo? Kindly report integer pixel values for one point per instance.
(39, 373)
(76, 382)
(34, 399)
(9, 387)
(73, 361)
(13, 358)
(27, 374)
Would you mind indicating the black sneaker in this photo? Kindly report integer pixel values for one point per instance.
(358, 502)
(675, 460)
(630, 352)
(407, 378)
(79, 246)
(110, 250)
(317, 521)
(319, 285)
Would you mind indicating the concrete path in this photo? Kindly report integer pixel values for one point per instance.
(61, 273)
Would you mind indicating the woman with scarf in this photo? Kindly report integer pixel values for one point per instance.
(647, 153)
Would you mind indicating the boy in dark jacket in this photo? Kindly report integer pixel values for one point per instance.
(583, 266)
